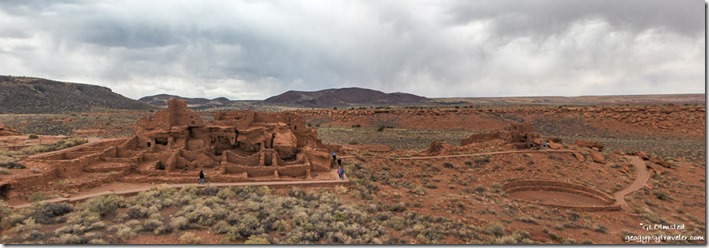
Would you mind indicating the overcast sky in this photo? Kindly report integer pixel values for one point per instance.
(255, 49)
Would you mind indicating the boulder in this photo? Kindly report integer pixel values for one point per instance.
(597, 157)
(580, 157)
(653, 169)
(553, 145)
(589, 144)
(660, 162)
(643, 155)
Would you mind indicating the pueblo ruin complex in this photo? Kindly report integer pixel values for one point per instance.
(174, 144)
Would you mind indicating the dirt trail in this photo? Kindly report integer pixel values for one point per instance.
(477, 154)
(486, 153)
(134, 188)
(640, 180)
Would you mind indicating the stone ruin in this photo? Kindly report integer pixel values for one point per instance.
(521, 136)
(173, 145)
(237, 142)
(8, 131)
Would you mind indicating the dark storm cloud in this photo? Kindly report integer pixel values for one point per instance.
(546, 17)
(255, 49)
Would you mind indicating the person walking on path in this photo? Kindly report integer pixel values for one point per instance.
(341, 173)
(201, 177)
(334, 158)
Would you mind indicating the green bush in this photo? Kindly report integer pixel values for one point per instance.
(105, 204)
(495, 229)
(190, 238)
(600, 228)
(47, 213)
(37, 197)
(180, 223)
(137, 212)
(661, 195)
(33, 136)
(256, 240)
(151, 224)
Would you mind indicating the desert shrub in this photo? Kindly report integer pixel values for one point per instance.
(396, 223)
(151, 224)
(573, 216)
(47, 213)
(448, 165)
(661, 195)
(28, 230)
(600, 228)
(482, 160)
(163, 229)
(137, 212)
(431, 186)
(33, 136)
(496, 188)
(12, 165)
(527, 220)
(69, 238)
(356, 125)
(124, 232)
(105, 204)
(221, 227)
(209, 191)
(256, 240)
(83, 218)
(180, 223)
(397, 207)
(495, 229)
(518, 237)
(98, 241)
(37, 197)
(190, 238)
(97, 226)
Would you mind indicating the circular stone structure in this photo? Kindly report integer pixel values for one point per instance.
(560, 194)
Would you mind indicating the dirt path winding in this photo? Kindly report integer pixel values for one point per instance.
(640, 180)
(476, 154)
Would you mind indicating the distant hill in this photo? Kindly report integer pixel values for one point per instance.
(199, 103)
(161, 100)
(344, 97)
(27, 95)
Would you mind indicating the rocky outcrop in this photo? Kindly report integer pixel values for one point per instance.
(438, 147)
(589, 144)
(597, 157)
(8, 131)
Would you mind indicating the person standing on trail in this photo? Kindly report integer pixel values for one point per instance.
(341, 173)
(201, 177)
(334, 157)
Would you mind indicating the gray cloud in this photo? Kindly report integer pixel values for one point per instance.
(255, 49)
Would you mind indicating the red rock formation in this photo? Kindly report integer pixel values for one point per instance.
(8, 131)
(589, 144)
(597, 157)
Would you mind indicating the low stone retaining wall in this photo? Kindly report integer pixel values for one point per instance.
(609, 203)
